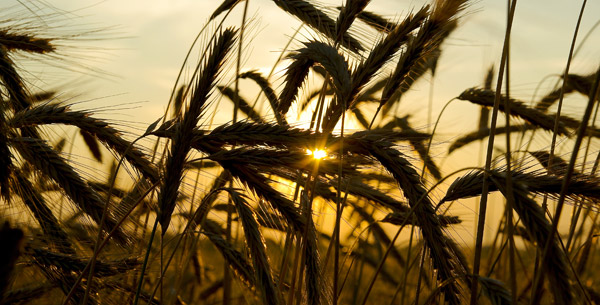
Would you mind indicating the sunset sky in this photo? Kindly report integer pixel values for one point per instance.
(130, 53)
(143, 43)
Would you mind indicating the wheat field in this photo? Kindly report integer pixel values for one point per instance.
(317, 190)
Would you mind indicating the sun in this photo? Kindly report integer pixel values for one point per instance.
(317, 153)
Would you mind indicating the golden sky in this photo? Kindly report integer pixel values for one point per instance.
(140, 46)
(144, 43)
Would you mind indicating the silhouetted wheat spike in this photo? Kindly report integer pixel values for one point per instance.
(236, 260)
(12, 82)
(225, 6)
(37, 153)
(257, 183)
(430, 36)
(248, 133)
(92, 144)
(178, 102)
(318, 20)
(36, 203)
(581, 84)
(347, 16)
(181, 141)
(418, 145)
(444, 257)
(99, 129)
(244, 106)
(25, 42)
(378, 231)
(296, 72)
(18, 99)
(428, 62)
(484, 113)
(332, 61)
(538, 227)
(519, 109)
(400, 218)
(72, 263)
(261, 158)
(376, 21)
(369, 68)
(483, 133)
(558, 167)
(581, 186)
(251, 176)
(256, 244)
(209, 199)
(6, 163)
(277, 136)
(495, 291)
(265, 86)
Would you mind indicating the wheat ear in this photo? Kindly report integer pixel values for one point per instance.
(225, 6)
(256, 243)
(236, 260)
(445, 259)
(367, 69)
(243, 105)
(347, 15)
(25, 42)
(99, 129)
(519, 109)
(36, 203)
(265, 86)
(318, 20)
(51, 164)
(181, 142)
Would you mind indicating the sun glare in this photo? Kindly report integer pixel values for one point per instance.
(317, 153)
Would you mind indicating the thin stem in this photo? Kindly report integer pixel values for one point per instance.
(488, 159)
(145, 264)
(538, 278)
(510, 199)
(565, 184)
